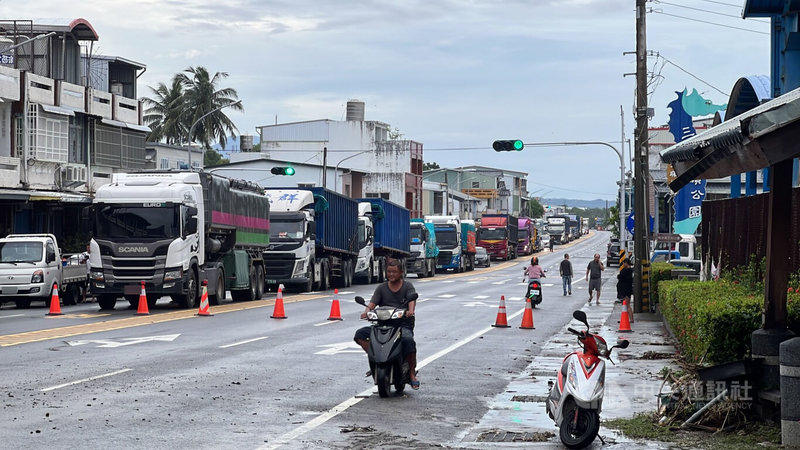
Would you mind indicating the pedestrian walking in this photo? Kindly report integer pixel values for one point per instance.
(551, 244)
(566, 274)
(625, 282)
(85, 260)
(593, 272)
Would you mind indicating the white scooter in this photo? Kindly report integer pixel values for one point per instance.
(576, 400)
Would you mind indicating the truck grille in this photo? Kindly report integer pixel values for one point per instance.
(278, 267)
(444, 258)
(136, 268)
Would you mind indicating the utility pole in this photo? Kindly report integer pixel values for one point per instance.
(641, 280)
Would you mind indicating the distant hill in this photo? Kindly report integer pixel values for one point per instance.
(573, 203)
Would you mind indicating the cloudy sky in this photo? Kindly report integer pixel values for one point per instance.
(452, 74)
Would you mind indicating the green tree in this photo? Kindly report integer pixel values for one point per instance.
(165, 113)
(212, 158)
(535, 209)
(204, 95)
(430, 166)
(612, 219)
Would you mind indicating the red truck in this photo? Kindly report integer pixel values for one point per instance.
(498, 234)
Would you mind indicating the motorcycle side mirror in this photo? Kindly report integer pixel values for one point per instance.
(360, 300)
(580, 316)
(623, 344)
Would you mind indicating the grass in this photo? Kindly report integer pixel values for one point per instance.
(753, 434)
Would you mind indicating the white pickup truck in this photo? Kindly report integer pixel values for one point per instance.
(29, 266)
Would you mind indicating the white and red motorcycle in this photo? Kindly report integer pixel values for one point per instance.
(576, 400)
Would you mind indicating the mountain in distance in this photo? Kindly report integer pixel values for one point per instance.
(574, 203)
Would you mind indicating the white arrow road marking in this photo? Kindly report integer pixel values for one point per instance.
(473, 304)
(105, 343)
(243, 342)
(86, 379)
(341, 347)
(446, 295)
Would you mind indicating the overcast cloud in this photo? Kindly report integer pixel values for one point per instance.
(449, 74)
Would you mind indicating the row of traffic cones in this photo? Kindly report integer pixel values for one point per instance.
(527, 317)
(279, 313)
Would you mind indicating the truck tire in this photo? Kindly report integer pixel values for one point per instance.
(133, 300)
(107, 301)
(431, 268)
(259, 282)
(368, 278)
(72, 295)
(189, 300)
(311, 284)
(348, 273)
(381, 271)
(214, 298)
(22, 303)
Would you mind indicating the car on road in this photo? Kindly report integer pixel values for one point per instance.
(612, 255)
(482, 257)
(545, 241)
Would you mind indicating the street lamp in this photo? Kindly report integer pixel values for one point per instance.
(191, 129)
(336, 170)
(35, 38)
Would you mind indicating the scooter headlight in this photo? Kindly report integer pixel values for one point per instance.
(372, 315)
(398, 314)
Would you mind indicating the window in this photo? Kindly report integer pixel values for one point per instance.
(305, 185)
(49, 135)
(476, 185)
(76, 151)
(383, 195)
(182, 164)
(117, 147)
(164, 163)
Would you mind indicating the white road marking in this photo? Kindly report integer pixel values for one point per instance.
(422, 300)
(346, 292)
(341, 347)
(286, 438)
(473, 282)
(449, 281)
(481, 297)
(504, 281)
(326, 322)
(85, 380)
(242, 342)
(107, 343)
(13, 315)
(446, 295)
(473, 304)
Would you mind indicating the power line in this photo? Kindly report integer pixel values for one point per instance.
(722, 3)
(693, 75)
(708, 11)
(571, 190)
(707, 22)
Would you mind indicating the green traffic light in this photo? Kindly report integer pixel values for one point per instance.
(518, 145)
(289, 171)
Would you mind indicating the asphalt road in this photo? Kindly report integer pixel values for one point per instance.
(240, 379)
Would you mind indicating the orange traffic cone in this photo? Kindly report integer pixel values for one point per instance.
(502, 318)
(55, 303)
(278, 313)
(203, 311)
(624, 321)
(335, 313)
(527, 316)
(142, 311)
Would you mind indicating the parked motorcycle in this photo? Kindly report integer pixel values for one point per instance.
(575, 401)
(387, 363)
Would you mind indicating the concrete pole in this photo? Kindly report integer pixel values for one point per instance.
(641, 279)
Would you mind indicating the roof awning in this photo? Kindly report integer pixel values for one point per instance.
(43, 196)
(753, 140)
(138, 127)
(57, 110)
(119, 124)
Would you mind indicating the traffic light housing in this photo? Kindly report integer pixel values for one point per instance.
(282, 170)
(515, 145)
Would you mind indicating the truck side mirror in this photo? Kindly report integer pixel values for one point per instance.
(50, 256)
(191, 226)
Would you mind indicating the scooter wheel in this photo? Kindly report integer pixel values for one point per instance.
(581, 432)
(383, 380)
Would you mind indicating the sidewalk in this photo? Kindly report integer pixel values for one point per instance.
(517, 417)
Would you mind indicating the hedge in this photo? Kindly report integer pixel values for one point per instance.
(716, 318)
(659, 271)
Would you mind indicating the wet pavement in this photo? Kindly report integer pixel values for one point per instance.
(517, 417)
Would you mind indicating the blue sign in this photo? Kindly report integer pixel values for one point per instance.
(630, 222)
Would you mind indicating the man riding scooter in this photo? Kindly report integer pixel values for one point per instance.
(395, 292)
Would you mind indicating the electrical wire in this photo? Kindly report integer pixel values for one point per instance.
(708, 11)
(707, 22)
(571, 190)
(695, 76)
(722, 3)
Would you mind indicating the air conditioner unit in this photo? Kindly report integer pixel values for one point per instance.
(76, 174)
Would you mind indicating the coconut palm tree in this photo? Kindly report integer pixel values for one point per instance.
(203, 95)
(165, 113)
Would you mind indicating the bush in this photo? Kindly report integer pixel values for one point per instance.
(659, 271)
(713, 320)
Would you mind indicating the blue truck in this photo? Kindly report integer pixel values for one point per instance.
(424, 250)
(313, 238)
(383, 233)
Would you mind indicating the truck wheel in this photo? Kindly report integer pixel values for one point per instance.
(22, 303)
(133, 300)
(190, 298)
(259, 282)
(348, 273)
(381, 272)
(107, 301)
(431, 269)
(368, 279)
(72, 295)
(310, 284)
(218, 295)
(325, 282)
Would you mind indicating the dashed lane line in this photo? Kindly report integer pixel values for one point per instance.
(243, 342)
(72, 383)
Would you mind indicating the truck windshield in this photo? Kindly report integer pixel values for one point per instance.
(524, 234)
(493, 234)
(127, 221)
(416, 235)
(362, 234)
(14, 252)
(282, 230)
(446, 238)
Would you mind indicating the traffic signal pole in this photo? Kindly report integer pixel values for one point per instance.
(641, 251)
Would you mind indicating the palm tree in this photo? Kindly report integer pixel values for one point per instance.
(202, 96)
(165, 113)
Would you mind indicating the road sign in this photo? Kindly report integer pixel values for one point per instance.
(668, 237)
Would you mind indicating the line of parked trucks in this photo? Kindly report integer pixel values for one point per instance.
(565, 228)
(172, 230)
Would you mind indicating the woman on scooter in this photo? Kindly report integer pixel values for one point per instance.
(394, 292)
(534, 272)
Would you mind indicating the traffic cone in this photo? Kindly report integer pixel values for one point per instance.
(502, 318)
(55, 303)
(527, 316)
(203, 311)
(624, 321)
(335, 313)
(142, 311)
(277, 312)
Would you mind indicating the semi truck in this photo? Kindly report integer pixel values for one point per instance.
(383, 233)
(424, 250)
(469, 240)
(499, 235)
(313, 238)
(557, 228)
(454, 247)
(30, 264)
(584, 225)
(573, 225)
(527, 237)
(171, 230)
